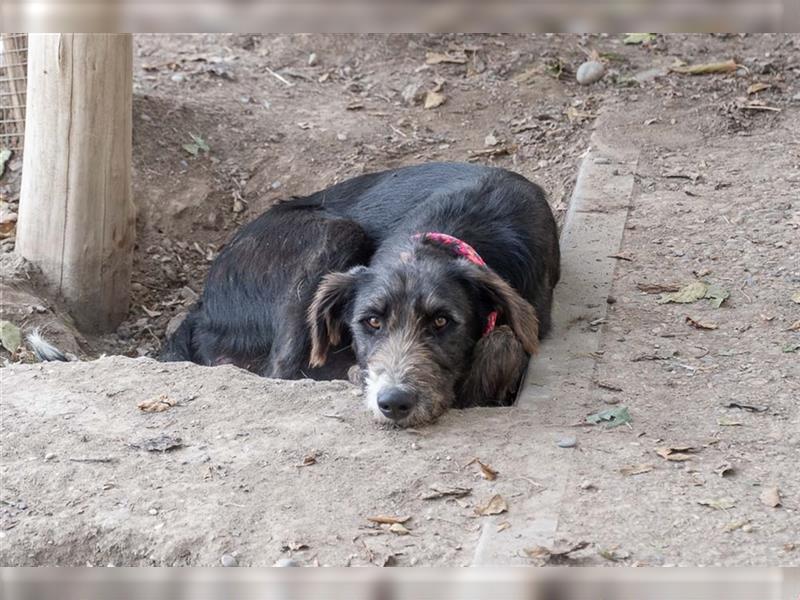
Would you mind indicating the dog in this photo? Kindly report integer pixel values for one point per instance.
(430, 285)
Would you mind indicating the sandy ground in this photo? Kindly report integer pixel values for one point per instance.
(291, 469)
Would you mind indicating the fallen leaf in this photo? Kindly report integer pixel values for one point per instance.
(688, 293)
(638, 38)
(503, 526)
(759, 86)
(436, 58)
(308, 460)
(560, 551)
(791, 347)
(434, 99)
(160, 404)
(718, 504)
(495, 506)
(727, 66)
(151, 313)
(771, 497)
(614, 554)
(658, 288)
(717, 295)
(10, 336)
(388, 520)
(676, 453)
(734, 525)
(748, 407)
(442, 492)
(631, 470)
(613, 417)
(794, 326)
(5, 154)
(697, 324)
(724, 470)
(162, 443)
(399, 529)
(487, 472)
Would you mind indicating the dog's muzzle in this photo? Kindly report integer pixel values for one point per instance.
(396, 403)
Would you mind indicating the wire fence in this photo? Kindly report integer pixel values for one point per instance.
(13, 78)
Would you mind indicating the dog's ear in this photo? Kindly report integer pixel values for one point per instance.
(514, 309)
(326, 313)
(498, 363)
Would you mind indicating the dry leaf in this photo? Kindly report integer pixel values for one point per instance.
(388, 520)
(726, 422)
(734, 525)
(561, 550)
(630, 470)
(718, 504)
(728, 66)
(503, 526)
(658, 288)
(434, 99)
(496, 505)
(443, 491)
(308, 460)
(689, 293)
(436, 58)
(697, 324)
(759, 86)
(487, 472)
(399, 529)
(160, 404)
(676, 453)
(771, 497)
(724, 469)
(794, 326)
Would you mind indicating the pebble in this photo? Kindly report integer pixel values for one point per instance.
(50, 456)
(178, 77)
(566, 442)
(590, 72)
(312, 59)
(286, 562)
(228, 560)
(153, 511)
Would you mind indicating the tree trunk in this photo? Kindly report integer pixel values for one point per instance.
(76, 217)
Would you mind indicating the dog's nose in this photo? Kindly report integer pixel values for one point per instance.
(396, 403)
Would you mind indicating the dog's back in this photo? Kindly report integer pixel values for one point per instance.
(258, 289)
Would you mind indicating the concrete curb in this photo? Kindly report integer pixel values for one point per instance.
(592, 232)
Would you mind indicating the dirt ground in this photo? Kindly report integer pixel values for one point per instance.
(278, 469)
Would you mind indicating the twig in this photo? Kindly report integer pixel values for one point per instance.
(280, 78)
(94, 460)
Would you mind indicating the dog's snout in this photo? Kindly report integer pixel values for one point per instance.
(396, 403)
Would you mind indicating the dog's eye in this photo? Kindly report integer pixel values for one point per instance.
(373, 322)
(440, 322)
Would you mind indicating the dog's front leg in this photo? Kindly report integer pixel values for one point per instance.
(498, 364)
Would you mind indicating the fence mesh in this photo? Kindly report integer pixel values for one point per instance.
(13, 76)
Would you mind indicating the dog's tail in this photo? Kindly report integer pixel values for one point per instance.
(179, 347)
(44, 350)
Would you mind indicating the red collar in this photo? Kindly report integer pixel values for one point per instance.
(462, 249)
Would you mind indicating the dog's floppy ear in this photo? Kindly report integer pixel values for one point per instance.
(498, 363)
(327, 312)
(514, 309)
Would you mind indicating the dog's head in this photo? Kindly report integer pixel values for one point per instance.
(415, 321)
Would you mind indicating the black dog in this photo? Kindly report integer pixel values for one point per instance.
(386, 271)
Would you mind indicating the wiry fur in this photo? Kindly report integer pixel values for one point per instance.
(292, 293)
(44, 350)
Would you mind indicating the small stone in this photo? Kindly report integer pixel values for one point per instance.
(50, 456)
(153, 511)
(587, 485)
(178, 77)
(566, 442)
(341, 137)
(286, 562)
(412, 93)
(228, 560)
(590, 72)
(313, 60)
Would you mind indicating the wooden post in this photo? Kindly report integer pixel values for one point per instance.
(76, 216)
